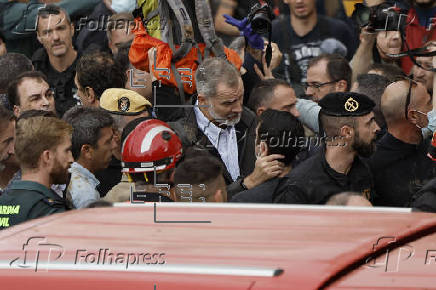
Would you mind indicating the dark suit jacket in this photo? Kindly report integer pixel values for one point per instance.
(190, 135)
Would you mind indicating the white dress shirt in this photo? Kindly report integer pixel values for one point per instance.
(224, 140)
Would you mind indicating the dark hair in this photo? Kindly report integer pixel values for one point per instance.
(36, 113)
(12, 64)
(338, 67)
(99, 203)
(5, 117)
(99, 71)
(14, 98)
(204, 169)
(52, 9)
(331, 125)
(263, 92)
(391, 71)
(87, 123)
(273, 125)
(373, 86)
(122, 57)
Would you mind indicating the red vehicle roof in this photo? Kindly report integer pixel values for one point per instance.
(235, 247)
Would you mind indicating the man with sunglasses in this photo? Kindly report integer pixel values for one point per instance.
(423, 72)
(400, 164)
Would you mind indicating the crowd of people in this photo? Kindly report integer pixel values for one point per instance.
(320, 111)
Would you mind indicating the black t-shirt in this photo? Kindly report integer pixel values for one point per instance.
(61, 82)
(109, 177)
(425, 199)
(314, 181)
(304, 48)
(400, 170)
(262, 193)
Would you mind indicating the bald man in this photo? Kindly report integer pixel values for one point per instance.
(400, 164)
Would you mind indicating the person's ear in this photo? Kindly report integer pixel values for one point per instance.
(38, 35)
(202, 100)
(17, 111)
(341, 86)
(218, 197)
(45, 158)
(412, 116)
(347, 132)
(90, 95)
(260, 110)
(86, 151)
(129, 74)
(72, 29)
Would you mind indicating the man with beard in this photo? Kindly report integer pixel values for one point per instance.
(400, 164)
(45, 164)
(221, 124)
(349, 124)
(93, 144)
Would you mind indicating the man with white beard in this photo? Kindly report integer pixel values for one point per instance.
(221, 124)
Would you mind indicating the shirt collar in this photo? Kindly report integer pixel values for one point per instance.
(79, 169)
(31, 185)
(207, 127)
(340, 178)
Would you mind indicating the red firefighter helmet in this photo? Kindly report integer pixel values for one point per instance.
(152, 144)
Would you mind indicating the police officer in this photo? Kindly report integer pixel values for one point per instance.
(350, 131)
(43, 147)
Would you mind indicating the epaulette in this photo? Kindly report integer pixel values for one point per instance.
(53, 203)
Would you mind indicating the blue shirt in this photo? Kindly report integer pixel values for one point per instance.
(82, 188)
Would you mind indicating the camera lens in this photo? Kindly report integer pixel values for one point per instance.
(261, 23)
(362, 14)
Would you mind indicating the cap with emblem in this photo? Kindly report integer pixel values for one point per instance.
(346, 104)
(123, 102)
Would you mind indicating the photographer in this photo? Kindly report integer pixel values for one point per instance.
(421, 27)
(379, 37)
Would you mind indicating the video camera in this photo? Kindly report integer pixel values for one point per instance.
(382, 17)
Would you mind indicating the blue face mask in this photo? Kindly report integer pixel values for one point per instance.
(123, 5)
